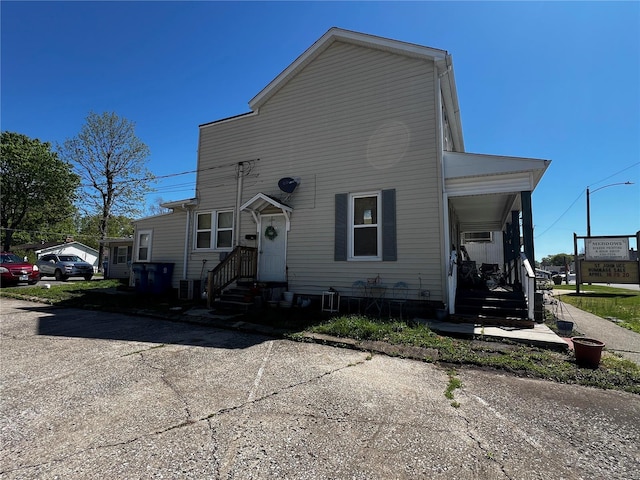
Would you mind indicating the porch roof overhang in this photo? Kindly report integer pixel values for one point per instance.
(262, 202)
(484, 189)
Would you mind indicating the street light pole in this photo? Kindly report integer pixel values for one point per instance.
(589, 202)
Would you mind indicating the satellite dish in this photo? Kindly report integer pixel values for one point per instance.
(288, 184)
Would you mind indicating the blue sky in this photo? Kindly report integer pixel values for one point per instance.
(558, 81)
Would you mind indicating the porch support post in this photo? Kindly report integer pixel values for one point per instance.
(515, 242)
(515, 234)
(527, 226)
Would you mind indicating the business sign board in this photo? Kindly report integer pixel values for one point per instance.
(609, 272)
(606, 248)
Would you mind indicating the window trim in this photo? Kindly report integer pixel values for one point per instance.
(351, 227)
(213, 242)
(139, 233)
(117, 255)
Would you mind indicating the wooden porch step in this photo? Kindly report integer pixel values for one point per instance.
(498, 311)
(238, 299)
(492, 304)
(491, 321)
(232, 306)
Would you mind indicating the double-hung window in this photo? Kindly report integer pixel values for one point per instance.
(143, 246)
(122, 254)
(214, 230)
(365, 226)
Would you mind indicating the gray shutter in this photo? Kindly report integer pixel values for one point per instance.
(114, 257)
(341, 227)
(129, 253)
(389, 243)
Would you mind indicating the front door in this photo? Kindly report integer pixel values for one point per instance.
(273, 246)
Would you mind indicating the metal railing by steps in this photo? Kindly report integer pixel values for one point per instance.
(242, 262)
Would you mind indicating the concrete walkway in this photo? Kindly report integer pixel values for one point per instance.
(616, 338)
(540, 335)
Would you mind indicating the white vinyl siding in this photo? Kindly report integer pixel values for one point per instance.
(328, 125)
(120, 258)
(168, 242)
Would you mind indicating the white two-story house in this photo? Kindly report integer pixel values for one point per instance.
(350, 165)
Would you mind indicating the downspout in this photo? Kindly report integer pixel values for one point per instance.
(449, 288)
(185, 261)
(236, 222)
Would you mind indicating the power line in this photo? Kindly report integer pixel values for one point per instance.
(581, 193)
(613, 175)
(560, 217)
(44, 233)
(188, 172)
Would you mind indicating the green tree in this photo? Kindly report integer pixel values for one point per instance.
(558, 259)
(89, 229)
(37, 189)
(111, 161)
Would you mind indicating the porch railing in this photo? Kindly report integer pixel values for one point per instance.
(528, 276)
(520, 273)
(242, 262)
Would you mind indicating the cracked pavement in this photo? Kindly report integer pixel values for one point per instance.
(94, 395)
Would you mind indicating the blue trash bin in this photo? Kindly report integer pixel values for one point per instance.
(140, 277)
(160, 277)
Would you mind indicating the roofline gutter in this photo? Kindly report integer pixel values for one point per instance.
(450, 97)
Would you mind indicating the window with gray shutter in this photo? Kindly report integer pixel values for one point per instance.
(365, 226)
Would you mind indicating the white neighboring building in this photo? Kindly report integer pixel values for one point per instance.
(88, 254)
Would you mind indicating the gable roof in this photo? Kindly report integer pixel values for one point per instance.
(441, 58)
(34, 246)
(60, 245)
(339, 35)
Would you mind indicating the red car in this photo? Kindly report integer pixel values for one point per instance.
(14, 270)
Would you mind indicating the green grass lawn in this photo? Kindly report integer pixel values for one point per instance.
(98, 295)
(606, 302)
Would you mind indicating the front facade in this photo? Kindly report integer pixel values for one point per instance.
(350, 166)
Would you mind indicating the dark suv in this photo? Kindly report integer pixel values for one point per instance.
(14, 270)
(64, 266)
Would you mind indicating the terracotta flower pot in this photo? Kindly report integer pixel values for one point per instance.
(587, 351)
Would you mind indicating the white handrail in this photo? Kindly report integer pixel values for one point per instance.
(528, 284)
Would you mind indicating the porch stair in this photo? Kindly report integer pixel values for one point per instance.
(492, 307)
(238, 299)
(241, 263)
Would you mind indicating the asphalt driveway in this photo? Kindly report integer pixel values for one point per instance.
(97, 395)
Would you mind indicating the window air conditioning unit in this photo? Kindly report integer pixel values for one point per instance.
(469, 237)
(189, 289)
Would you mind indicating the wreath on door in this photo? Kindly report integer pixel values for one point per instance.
(270, 232)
